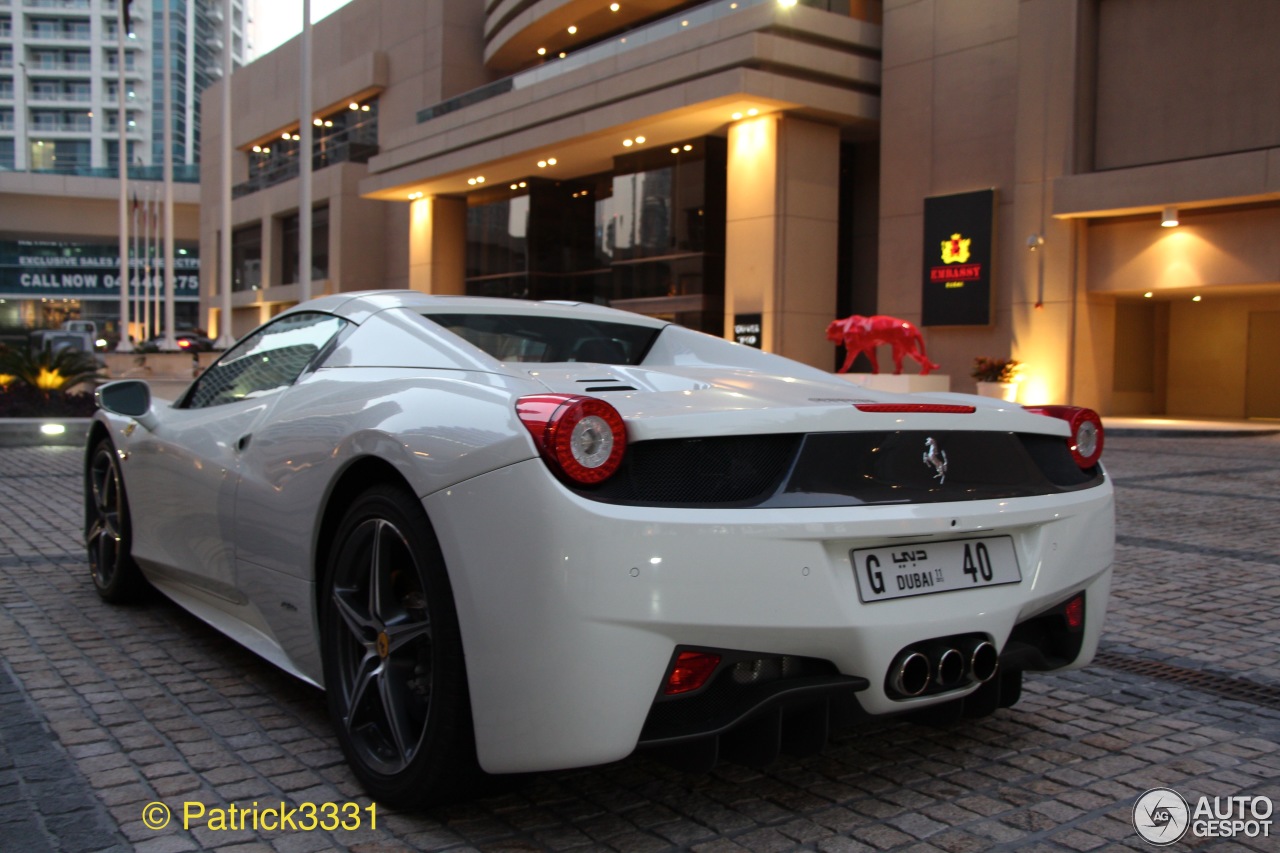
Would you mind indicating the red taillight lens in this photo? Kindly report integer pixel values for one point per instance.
(581, 438)
(691, 671)
(1075, 613)
(1086, 431)
(184, 343)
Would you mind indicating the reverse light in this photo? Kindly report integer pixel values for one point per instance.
(1086, 437)
(581, 438)
(691, 671)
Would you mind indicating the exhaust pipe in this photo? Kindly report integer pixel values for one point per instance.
(950, 667)
(984, 660)
(910, 674)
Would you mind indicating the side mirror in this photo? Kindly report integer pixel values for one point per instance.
(130, 398)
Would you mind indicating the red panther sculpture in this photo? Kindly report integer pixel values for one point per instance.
(861, 334)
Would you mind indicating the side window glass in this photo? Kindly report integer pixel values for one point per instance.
(266, 361)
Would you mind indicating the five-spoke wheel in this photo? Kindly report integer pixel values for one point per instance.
(115, 575)
(392, 653)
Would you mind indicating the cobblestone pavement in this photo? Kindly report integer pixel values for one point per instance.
(104, 710)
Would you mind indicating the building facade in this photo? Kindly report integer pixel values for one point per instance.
(59, 144)
(771, 164)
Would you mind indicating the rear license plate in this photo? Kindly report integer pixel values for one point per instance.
(906, 570)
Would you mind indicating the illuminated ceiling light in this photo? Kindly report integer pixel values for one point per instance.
(627, 143)
(1169, 218)
(266, 150)
(1195, 299)
(688, 148)
(733, 5)
(471, 181)
(563, 54)
(551, 161)
(257, 149)
(786, 4)
(513, 186)
(675, 150)
(573, 29)
(613, 7)
(318, 122)
(1148, 295)
(365, 108)
(542, 51)
(353, 106)
(753, 112)
(639, 140)
(684, 23)
(542, 164)
(328, 124)
(296, 137)
(284, 136)
(736, 116)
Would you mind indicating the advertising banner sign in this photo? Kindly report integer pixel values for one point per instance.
(66, 270)
(958, 231)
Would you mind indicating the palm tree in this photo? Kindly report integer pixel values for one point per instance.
(46, 371)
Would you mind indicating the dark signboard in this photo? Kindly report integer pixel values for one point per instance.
(65, 270)
(748, 329)
(958, 232)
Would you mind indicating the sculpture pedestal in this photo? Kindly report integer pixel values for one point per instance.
(902, 383)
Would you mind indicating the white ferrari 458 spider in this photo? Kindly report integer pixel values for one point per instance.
(509, 536)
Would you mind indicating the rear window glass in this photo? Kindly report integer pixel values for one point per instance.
(519, 337)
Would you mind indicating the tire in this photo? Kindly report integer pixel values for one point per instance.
(107, 533)
(392, 651)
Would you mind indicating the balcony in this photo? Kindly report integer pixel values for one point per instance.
(47, 34)
(57, 5)
(58, 97)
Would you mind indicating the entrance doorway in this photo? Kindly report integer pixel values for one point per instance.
(1262, 382)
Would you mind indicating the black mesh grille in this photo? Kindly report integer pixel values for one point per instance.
(743, 682)
(717, 471)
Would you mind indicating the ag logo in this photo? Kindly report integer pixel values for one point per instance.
(955, 250)
(1161, 816)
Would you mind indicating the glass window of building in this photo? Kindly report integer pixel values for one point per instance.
(290, 233)
(246, 258)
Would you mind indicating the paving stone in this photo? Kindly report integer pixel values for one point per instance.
(127, 706)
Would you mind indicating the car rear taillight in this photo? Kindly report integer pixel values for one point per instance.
(1086, 436)
(691, 671)
(581, 438)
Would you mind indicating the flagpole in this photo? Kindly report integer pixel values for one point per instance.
(152, 311)
(304, 162)
(225, 339)
(122, 32)
(170, 343)
(134, 269)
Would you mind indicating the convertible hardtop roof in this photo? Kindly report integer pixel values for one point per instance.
(358, 305)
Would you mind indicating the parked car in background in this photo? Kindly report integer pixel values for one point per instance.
(509, 536)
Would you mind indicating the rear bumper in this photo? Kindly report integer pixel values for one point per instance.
(571, 609)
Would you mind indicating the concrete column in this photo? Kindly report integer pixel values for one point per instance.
(438, 245)
(782, 207)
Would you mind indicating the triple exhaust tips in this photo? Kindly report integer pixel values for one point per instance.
(943, 667)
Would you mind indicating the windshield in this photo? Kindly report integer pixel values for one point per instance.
(521, 337)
